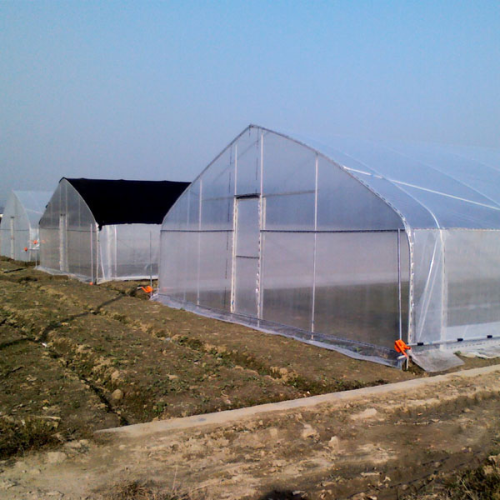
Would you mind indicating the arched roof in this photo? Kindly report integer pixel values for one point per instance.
(34, 203)
(431, 186)
(126, 201)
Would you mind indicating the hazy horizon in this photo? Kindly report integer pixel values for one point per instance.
(155, 90)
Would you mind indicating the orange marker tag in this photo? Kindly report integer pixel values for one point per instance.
(401, 347)
(147, 289)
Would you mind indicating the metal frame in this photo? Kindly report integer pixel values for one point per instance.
(316, 175)
(262, 197)
(400, 312)
(261, 209)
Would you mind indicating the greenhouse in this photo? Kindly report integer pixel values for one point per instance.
(19, 228)
(342, 243)
(99, 230)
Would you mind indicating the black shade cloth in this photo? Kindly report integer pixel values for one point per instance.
(128, 202)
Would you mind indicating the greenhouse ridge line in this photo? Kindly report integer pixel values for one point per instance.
(224, 417)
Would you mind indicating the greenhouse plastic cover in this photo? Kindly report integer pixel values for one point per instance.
(443, 193)
(338, 217)
(431, 186)
(24, 209)
(76, 243)
(34, 203)
(127, 201)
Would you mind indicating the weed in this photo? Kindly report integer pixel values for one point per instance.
(159, 407)
(475, 484)
(23, 435)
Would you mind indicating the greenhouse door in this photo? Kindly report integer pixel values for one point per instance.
(246, 256)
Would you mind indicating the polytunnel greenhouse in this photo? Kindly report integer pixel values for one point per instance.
(342, 243)
(99, 230)
(19, 228)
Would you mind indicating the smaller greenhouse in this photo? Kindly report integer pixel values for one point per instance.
(99, 230)
(344, 243)
(19, 228)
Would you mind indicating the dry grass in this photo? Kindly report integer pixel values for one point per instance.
(21, 435)
(482, 483)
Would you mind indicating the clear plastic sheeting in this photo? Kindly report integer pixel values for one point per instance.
(434, 359)
(357, 292)
(428, 285)
(359, 242)
(129, 251)
(68, 235)
(472, 280)
(288, 279)
(73, 244)
(490, 351)
(19, 235)
(365, 352)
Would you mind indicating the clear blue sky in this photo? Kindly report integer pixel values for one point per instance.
(154, 90)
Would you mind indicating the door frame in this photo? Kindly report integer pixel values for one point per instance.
(237, 199)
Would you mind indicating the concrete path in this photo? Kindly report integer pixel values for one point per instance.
(223, 417)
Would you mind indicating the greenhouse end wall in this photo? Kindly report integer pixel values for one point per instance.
(72, 243)
(358, 240)
(15, 234)
(272, 230)
(68, 235)
(19, 234)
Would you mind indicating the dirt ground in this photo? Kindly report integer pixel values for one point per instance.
(399, 444)
(76, 358)
(137, 360)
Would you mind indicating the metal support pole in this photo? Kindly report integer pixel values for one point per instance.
(151, 262)
(198, 271)
(260, 267)
(399, 287)
(91, 254)
(98, 252)
(313, 305)
(235, 217)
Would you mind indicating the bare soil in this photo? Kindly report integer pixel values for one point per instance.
(76, 358)
(403, 444)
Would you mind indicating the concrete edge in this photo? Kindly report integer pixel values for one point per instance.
(223, 417)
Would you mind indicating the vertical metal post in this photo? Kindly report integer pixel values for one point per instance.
(91, 254)
(98, 252)
(313, 315)
(235, 218)
(151, 261)
(116, 251)
(260, 267)
(400, 312)
(199, 243)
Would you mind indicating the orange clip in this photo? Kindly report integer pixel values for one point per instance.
(147, 289)
(401, 347)
(25, 249)
(35, 242)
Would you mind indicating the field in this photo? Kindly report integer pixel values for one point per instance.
(77, 358)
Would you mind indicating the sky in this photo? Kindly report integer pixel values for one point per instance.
(155, 90)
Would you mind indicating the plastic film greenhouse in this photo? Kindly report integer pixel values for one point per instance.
(19, 238)
(342, 243)
(99, 230)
